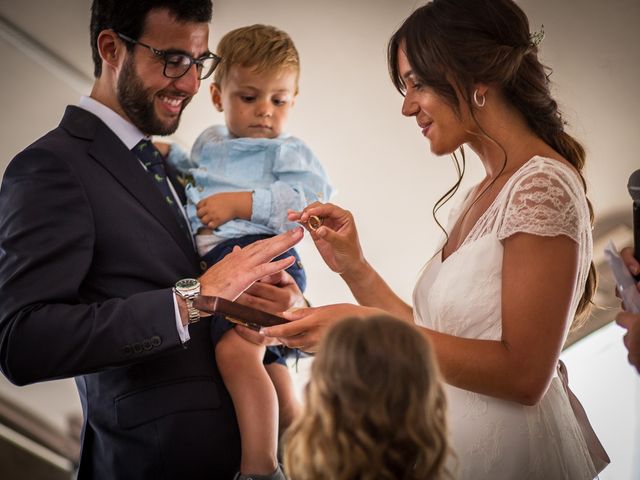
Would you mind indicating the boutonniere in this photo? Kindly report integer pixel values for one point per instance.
(185, 179)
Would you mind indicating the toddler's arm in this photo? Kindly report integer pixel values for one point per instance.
(219, 208)
(301, 180)
(176, 156)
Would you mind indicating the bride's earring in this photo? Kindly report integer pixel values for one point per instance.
(479, 103)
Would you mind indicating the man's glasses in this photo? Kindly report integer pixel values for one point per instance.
(177, 64)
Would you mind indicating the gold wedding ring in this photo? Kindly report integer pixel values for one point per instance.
(314, 222)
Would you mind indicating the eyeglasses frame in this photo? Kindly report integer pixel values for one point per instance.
(163, 54)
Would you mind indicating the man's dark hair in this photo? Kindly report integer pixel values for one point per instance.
(128, 17)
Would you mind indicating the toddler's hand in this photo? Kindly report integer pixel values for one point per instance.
(219, 208)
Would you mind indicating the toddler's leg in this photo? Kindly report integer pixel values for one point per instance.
(289, 404)
(254, 399)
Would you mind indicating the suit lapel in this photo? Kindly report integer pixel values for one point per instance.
(123, 165)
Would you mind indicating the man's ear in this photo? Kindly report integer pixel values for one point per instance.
(111, 48)
(216, 96)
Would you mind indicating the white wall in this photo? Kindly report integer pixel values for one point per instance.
(609, 390)
(349, 113)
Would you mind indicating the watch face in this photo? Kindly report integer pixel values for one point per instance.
(187, 283)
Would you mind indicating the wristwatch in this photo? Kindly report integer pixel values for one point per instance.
(188, 289)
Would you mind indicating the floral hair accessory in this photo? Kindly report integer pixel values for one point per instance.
(536, 37)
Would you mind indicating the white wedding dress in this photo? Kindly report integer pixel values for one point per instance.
(492, 438)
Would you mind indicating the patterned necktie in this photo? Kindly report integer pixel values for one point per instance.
(152, 160)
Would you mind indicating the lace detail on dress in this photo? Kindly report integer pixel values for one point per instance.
(542, 203)
(545, 197)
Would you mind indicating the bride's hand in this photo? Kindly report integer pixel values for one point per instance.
(307, 326)
(336, 239)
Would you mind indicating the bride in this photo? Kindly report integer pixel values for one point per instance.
(498, 299)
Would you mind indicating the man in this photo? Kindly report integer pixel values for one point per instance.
(91, 241)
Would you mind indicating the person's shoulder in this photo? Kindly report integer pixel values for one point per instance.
(57, 143)
(291, 140)
(542, 164)
(545, 197)
(55, 151)
(550, 173)
(209, 137)
(549, 185)
(296, 144)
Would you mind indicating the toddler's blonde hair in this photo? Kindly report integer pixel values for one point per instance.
(263, 47)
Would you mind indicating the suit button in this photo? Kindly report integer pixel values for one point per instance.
(137, 348)
(156, 341)
(203, 265)
(127, 350)
(146, 344)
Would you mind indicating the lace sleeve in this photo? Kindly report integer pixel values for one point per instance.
(546, 203)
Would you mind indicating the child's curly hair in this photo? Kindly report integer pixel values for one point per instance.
(375, 407)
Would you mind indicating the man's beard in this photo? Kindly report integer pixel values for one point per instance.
(138, 103)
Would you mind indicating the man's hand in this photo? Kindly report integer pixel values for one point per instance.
(274, 294)
(238, 270)
(631, 322)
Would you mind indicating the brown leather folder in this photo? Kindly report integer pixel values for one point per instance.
(236, 313)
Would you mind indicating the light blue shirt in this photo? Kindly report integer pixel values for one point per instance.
(282, 173)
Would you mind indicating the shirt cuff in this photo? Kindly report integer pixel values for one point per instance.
(183, 330)
(261, 208)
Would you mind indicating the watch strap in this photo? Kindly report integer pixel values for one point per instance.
(194, 313)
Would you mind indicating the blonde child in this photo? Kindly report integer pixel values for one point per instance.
(374, 407)
(244, 176)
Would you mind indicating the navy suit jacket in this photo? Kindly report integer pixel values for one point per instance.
(88, 254)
